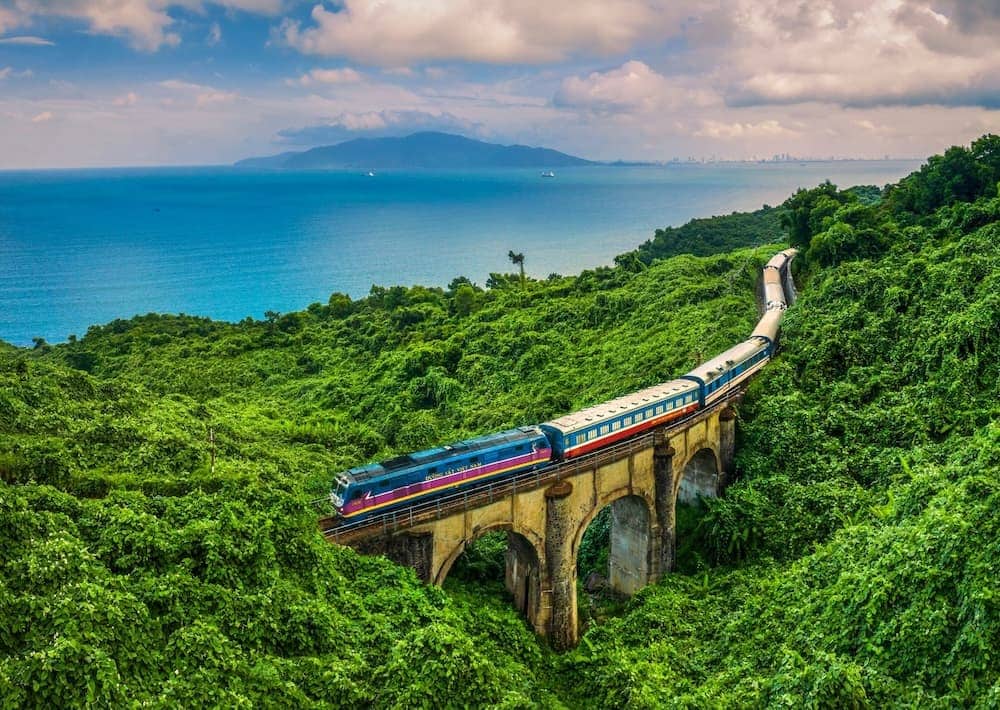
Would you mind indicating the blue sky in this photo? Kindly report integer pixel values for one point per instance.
(142, 82)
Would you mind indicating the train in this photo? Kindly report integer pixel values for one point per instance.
(402, 481)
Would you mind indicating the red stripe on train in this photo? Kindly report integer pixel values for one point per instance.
(601, 442)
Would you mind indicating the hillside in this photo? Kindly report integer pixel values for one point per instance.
(192, 586)
(419, 150)
(853, 564)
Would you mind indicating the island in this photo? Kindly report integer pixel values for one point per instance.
(428, 149)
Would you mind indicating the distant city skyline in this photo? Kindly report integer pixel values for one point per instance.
(158, 82)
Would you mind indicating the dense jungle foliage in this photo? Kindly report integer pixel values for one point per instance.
(158, 546)
(710, 235)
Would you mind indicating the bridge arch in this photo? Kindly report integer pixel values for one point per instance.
(701, 474)
(525, 572)
(632, 515)
(532, 538)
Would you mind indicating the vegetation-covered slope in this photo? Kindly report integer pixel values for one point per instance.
(133, 570)
(861, 549)
(854, 563)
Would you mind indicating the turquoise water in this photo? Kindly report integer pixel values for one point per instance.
(88, 246)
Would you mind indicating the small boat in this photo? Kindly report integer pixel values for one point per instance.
(548, 173)
(371, 173)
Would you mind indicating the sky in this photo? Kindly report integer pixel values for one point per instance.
(158, 82)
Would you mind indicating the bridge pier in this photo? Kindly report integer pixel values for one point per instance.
(629, 558)
(666, 502)
(559, 530)
(523, 577)
(727, 446)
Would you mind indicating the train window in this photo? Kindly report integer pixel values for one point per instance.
(628, 420)
(659, 409)
(638, 416)
(592, 434)
(616, 426)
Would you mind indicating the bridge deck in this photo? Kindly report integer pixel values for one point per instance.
(345, 531)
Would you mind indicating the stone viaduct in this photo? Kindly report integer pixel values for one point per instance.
(546, 513)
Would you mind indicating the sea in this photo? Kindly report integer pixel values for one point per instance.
(83, 247)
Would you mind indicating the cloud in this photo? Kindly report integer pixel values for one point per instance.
(327, 76)
(145, 24)
(203, 95)
(719, 129)
(129, 99)
(371, 124)
(397, 32)
(9, 73)
(632, 87)
(862, 54)
(970, 16)
(27, 40)
(214, 34)
(43, 117)
(9, 19)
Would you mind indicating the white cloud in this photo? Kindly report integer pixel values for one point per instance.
(718, 129)
(395, 32)
(633, 86)
(211, 98)
(43, 117)
(178, 85)
(145, 24)
(27, 40)
(129, 99)
(353, 124)
(214, 34)
(202, 95)
(855, 53)
(9, 19)
(9, 73)
(327, 76)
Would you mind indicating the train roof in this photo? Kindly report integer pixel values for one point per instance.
(479, 443)
(621, 405)
(711, 369)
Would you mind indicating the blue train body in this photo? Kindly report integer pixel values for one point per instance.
(381, 487)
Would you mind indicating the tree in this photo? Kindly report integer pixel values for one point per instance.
(518, 260)
(465, 300)
(806, 209)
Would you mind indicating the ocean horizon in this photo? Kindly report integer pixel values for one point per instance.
(81, 247)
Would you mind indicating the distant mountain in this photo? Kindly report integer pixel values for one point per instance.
(419, 150)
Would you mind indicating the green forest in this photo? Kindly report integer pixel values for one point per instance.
(160, 477)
